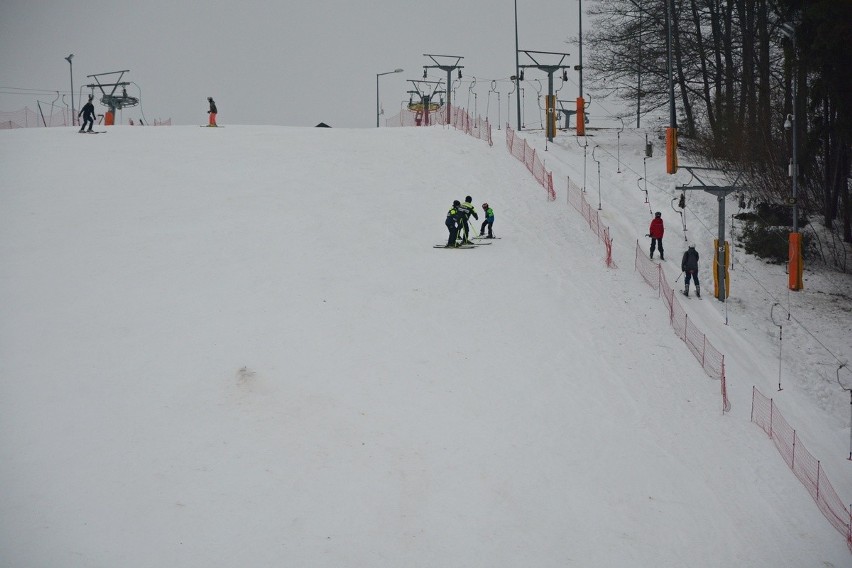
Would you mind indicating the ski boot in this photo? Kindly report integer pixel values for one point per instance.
(698, 290)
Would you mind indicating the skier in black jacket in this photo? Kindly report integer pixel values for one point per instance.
(689, 264)
(88, 114)
(454, 218)
(468, 210)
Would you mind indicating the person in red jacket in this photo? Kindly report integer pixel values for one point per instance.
(656, 233)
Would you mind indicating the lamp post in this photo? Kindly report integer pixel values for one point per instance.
(671, 131)
(790, 126)
(377, 91)
(795, 266)
(73, 116)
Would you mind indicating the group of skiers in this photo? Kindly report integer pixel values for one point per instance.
(458, 225)
(458, 222)
(689, 262)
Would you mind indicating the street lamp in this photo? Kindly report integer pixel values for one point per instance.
(671, 131)
(377, 91)
(518, 75)
(795, 267)
(73, 116)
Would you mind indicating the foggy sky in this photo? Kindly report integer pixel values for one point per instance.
(271, 62)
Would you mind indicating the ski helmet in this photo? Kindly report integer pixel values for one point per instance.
(692, 245)
(658, 214)
(456, 203)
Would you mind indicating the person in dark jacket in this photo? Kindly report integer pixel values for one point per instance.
(454, 217)
(467, 210)
(489, 221)
(656, 233)
(88, 114)
(212, 112)
(689, 265)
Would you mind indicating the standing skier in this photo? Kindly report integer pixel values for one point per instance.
(489, 221)
(689, 264)
(88, 114)
(467, 210)
(454, 216)
(212, 112)
(656, 233)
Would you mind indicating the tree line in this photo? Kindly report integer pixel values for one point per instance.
(736, 65)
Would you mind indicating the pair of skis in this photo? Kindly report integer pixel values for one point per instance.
(471, 245)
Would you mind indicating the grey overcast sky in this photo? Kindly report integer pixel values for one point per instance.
(284, 62)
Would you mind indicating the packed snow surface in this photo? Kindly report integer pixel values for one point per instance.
(238, 347)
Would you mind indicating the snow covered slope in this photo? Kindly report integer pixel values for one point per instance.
(238, 347)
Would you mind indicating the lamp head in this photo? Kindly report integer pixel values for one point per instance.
(69, 58)
(788, 122)
(397, 70)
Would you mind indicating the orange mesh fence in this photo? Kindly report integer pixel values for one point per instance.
(807, 469)
(520, 149)
(461, 120)
(458, 119)
(711, 359)
(577, 199)
(28, 118)
(47, 115)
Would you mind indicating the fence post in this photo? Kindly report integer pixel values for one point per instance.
(671, 309)
(849, 531)
(703, 351)
(793, 459)
(771, 415)
(752, 404)
(818, 474)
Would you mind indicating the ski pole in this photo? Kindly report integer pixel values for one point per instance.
(678, 277)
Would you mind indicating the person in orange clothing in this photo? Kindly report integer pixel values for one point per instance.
(212, 112)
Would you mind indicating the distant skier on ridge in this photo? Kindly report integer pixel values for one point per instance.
(212, 112)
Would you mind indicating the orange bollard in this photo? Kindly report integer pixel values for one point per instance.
(671, 150)
(581, 117)
(796, 265)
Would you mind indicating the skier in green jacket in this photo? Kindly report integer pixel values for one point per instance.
(489, 221)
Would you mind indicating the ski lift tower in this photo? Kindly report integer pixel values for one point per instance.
(448, 68)
(720, 263)
(422, 90)
(550, 101)
(112, 100)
